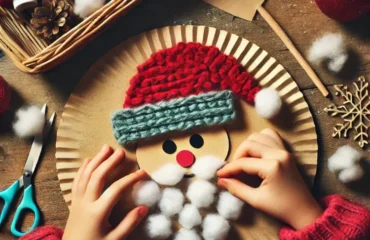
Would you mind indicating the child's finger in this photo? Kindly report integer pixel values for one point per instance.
(252, 166)
(128, 224)
(78, 176)
(254, 149)
(112, 195)
(96, 184)
(274, 135)
(240, 190)
(104, 153)
(264, 139)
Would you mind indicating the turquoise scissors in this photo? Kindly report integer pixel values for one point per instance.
(25, 182)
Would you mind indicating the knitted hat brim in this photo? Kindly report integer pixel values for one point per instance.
(181, 114)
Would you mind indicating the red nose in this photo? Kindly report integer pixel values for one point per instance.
(185, 158)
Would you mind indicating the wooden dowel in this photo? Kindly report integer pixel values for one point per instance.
(289, 44)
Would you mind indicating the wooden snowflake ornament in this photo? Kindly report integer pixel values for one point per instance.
(355, 112)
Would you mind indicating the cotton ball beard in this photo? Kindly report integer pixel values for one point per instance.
(146, 193)
(345, 157)
(185, 234)
(190, 217)
(169, 174)
(330, 47)
(268, 103)
(171, 202)
(215, 227)
(229, 206)
(85, 8)
(201, 193)
(30, 123)
(206, 167)
(351, 174)
(158, 226)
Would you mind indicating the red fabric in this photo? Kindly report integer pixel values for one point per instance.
(44, 233)
(341, 220)
(344, 10)
(4, 96)
(188, 69)
(6, 3)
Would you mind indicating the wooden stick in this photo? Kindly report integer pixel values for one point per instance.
(301, 60)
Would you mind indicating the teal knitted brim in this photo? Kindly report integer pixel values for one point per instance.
(209, 109)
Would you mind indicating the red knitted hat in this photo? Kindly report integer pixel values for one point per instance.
(4, 96)
(186, 86)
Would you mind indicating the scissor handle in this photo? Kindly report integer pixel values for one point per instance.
(28, 202)
(8, 196)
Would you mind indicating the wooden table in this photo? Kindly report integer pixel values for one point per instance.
(300, 18)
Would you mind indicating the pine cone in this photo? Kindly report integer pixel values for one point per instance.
(52, 18)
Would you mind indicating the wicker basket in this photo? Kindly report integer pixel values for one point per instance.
(32, 54)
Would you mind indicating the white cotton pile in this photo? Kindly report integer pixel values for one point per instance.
(85, 8)
(30, 122)
(346, 162)
(169, 174)
(190, 217)
(215, 227)
(171, 202)
(207, 166)
(330, 48)
(229, 206)
(201, 193)
(185, 234)
(158, 226)
(146, 193)
(268, 103)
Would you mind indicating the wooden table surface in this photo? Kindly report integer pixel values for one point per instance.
(301, 19)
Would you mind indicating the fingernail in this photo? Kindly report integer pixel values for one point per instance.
(143, 211)
(105, 146)
(221, 183)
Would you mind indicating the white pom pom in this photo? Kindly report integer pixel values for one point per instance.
(201, 193)
(190, 217)
(185, 234)
(229, 206)
(30, 122)
(171, 202)
(351, 174)
(85, 8)
(159, 226)
(330, 47)
(207, 166)
(146, 193)
(344, 157)
(215, 227)
(268, 103)
(169, 174)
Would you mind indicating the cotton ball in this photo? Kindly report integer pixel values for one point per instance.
(171, 202)
(146, 193)
(190, 217)
(201, 193)
(351, 174)
(158, 226)
(31, 122)
(169, 174)
(85, 8)
(343, 158)
(207, 166)
(330, 47)
(185, 234)
(215, 227)
(268, 103)
(229, 206)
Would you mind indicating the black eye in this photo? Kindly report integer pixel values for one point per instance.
(196, 141)
(169, 147)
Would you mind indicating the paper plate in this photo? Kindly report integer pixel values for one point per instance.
(85, 124)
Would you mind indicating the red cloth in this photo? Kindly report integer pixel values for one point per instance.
(188, 69)
(344, 10)
(341, 220)
(4, 96)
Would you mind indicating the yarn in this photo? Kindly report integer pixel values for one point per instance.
(188, 69)
(214, 108)
(344, 10)
(4, 96)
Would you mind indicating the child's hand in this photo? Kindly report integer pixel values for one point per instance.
(91, 207)
(282, 193)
